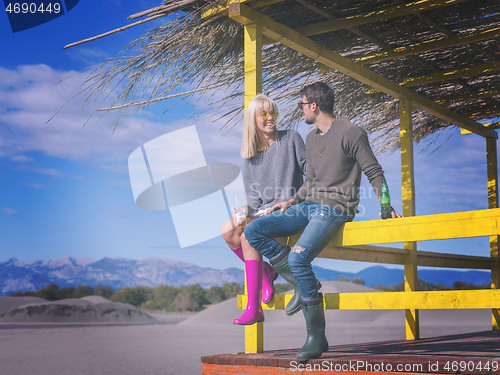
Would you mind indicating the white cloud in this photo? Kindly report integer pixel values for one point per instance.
(48, 171)
(22, 159)
(89, 56)
(34, 185)
(9, 211)
(30, 95)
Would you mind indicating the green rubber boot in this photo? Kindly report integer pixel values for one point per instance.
(280, 264)
(316, 343)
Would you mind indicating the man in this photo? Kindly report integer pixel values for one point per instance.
(337, 152)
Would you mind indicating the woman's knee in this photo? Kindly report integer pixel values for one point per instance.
(230, 231)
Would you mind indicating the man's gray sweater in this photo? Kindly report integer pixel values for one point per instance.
(335, 162)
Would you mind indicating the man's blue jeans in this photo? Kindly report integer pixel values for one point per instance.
(320, 222)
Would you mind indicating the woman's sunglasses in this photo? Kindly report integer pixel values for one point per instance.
(265, 115)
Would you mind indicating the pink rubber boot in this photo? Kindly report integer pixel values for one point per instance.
(253, 312)
(269, 274)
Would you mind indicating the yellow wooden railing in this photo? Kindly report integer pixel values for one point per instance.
(355, 241)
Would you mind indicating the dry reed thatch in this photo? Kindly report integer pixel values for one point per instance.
(205, 57)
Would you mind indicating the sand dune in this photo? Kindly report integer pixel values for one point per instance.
(93, 309)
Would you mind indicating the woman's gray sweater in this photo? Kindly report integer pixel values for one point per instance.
(276, 174)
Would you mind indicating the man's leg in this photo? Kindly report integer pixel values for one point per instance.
(260, 233)
(324, 221)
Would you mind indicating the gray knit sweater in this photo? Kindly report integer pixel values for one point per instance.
(275, 175)
(336, 160)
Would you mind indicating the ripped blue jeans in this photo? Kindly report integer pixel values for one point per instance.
(319, 222)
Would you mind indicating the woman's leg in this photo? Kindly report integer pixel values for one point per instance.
(234, 237)
(269, 274)
(253, 312)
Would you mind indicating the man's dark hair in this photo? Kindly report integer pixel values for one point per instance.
(321, 94)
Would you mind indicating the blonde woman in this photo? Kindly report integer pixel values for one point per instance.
(274, 165)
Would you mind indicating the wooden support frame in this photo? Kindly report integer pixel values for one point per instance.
(429, 45)
(375, 16)
(407, 230)
(308, 47)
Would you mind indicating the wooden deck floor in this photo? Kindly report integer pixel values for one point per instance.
(475, 353)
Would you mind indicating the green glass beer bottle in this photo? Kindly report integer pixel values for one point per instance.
(385, 201)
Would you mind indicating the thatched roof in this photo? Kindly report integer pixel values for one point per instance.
(446, 51)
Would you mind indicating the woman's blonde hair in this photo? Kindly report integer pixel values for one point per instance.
(251, 142)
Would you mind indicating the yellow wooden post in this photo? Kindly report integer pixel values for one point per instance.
(491, 159)
(254, 334)
(408, 194)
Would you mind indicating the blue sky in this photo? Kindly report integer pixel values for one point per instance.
(65, 188)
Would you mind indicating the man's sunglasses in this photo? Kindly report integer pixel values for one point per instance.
(301, 104)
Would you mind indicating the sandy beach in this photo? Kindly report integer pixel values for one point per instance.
(174, 343)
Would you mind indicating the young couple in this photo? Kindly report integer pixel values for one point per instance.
(281, 204)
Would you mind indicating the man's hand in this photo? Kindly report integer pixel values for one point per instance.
(282, 205)
(394, 214)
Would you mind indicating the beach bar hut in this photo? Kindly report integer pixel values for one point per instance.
(413, 68)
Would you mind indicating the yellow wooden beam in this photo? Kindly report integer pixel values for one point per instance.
(480, 94)
(407, 169)
(492, 172)
(452, 74)
(491, 125)
(391, 255)
(254, 333)
(417, 228)
(408, 194)
(308, 47)
(375, 16)
(428, 45)
(447, 299)
(421, 228)
(253, 61)
(434, 259)
(222, 9)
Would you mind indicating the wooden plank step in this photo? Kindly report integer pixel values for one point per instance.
(468, 354)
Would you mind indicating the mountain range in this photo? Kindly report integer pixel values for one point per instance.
(18, 276)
